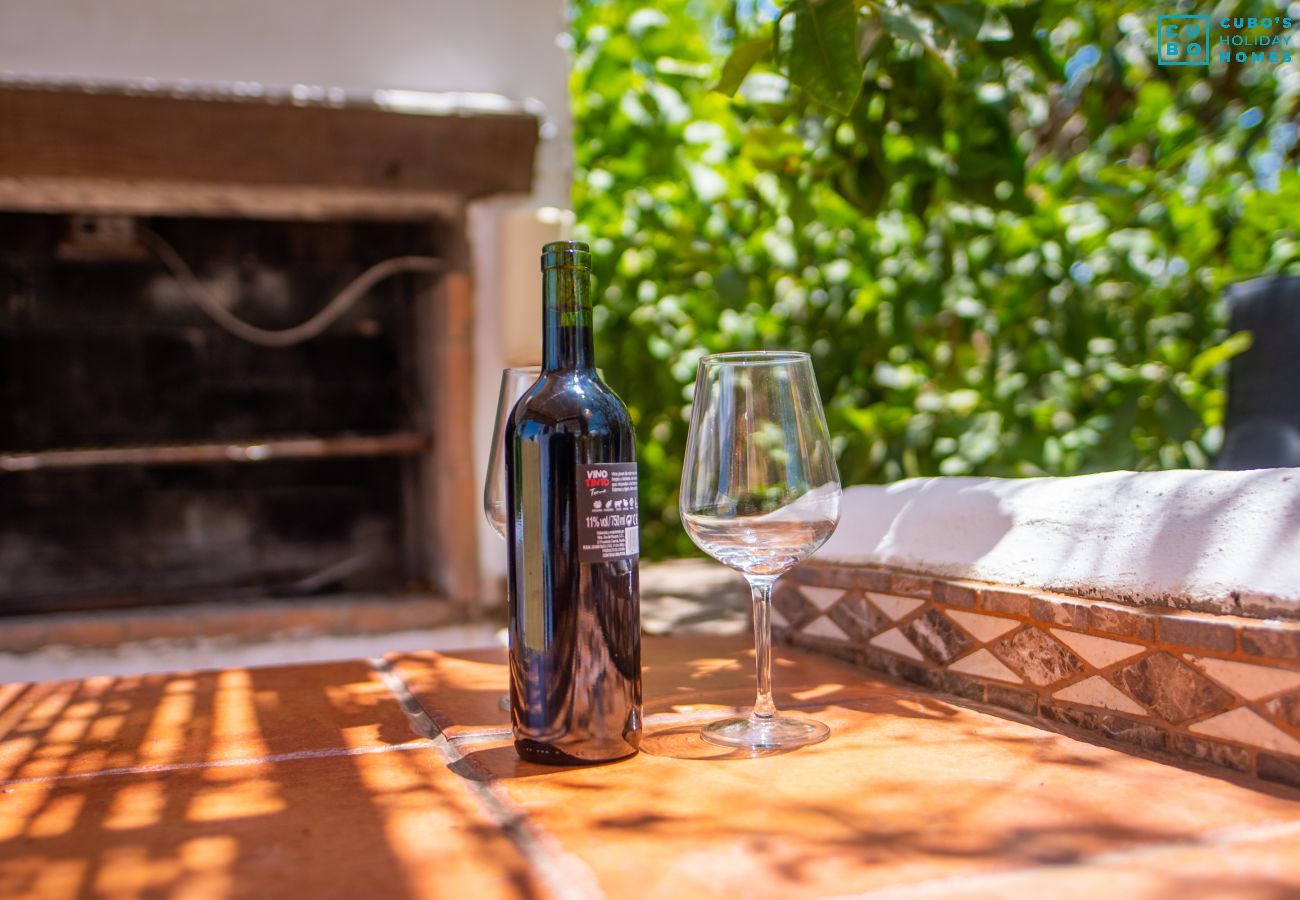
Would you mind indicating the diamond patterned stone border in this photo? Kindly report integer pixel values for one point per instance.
(1219, 690)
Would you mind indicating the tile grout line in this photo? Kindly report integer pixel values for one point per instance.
(480, 737)
(164, 768)
(490, 735)
(942, 887)
(563, 874)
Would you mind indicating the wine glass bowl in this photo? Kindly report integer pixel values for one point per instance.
(760, 493)
(514, 382)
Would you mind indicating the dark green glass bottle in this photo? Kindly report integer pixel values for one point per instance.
(575, 640)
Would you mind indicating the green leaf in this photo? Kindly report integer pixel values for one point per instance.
(738, 64)
(823, 54)
(1208, 359)
(964, 20)
(903, 27)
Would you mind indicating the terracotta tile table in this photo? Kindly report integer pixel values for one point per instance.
(397, 779)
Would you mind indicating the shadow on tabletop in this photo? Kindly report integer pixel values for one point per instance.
(696, 677)
(245, 782)
(985, 797)
(681, 739)
(286, 813)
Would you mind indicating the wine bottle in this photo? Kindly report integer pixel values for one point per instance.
(575, 639)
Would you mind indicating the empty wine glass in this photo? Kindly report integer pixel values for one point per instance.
(760, 492)
(513, 384)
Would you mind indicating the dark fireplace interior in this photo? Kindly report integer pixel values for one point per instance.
(219, 469)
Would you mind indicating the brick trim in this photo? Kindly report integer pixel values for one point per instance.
(1219, 690)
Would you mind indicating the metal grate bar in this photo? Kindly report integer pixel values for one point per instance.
(250, 451)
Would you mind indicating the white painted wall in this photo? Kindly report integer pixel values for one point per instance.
(1222, 541)
(509, 47)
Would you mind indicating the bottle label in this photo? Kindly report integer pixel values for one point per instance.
(607, 512)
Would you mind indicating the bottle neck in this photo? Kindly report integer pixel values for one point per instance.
(566, 319)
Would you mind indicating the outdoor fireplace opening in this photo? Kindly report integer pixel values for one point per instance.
(148, 455)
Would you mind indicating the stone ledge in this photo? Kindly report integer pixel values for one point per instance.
(1221, 542)
(1220, 690)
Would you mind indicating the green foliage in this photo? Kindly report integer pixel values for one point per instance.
(1000, 229)
(823, 55)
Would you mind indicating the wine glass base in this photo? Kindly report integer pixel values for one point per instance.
(753, 733)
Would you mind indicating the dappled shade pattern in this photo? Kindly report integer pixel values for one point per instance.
(398, 779)
(261, 782)
(910, 789)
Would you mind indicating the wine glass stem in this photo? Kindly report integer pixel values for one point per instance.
(764, 708)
